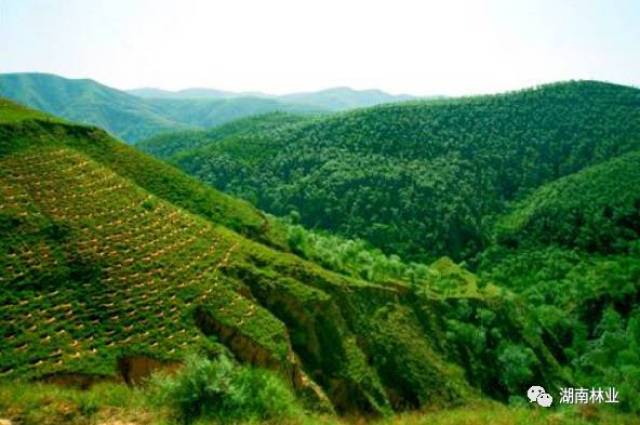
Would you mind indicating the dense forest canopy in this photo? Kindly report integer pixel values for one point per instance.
(596, 210)
(423, 178)
(166, 145)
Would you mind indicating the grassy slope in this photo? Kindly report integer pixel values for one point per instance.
(99, 263)
(429, 175)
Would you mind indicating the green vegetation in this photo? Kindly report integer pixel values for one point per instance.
(130, 117)
(538, 190)
(224, 392)
(139, 115)
(88, 102)
(596, 210)
(156, 177)
(571, 250)
(114, 265)
(203, 113)
(111, 404)
(167, 144)
(590, 307)
(423, 179)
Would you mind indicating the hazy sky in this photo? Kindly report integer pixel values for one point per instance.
(419, 47)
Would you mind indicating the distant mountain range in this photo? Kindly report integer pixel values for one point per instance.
(191, 93)
(333, 99)
(143, 113)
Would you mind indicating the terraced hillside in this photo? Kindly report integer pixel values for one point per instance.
(426, 178)
(105, 273)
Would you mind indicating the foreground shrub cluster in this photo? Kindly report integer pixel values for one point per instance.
(222, 391)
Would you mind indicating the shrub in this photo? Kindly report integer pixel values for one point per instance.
(220, 390)
(516, 362)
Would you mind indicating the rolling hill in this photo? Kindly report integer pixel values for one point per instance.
(571, 249)
(129, 117)
(113, 264)
(89, 102)
(205, 113)
(344, 98)
(422, 178)
(193, 93)
(596, 210)
(333, 99)
(165, 145)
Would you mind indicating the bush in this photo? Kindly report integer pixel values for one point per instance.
(222, 391)
(516, 363)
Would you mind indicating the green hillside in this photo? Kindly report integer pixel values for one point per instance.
(156, 177)
(166, 145)
(129, 117)
(423, 178)
(540, 189)
(572, 250)
(88, 102)
(113, 264)
(596, 210)
(205, 113)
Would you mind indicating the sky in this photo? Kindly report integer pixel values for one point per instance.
(446, 47)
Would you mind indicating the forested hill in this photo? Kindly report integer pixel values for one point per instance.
(423, 178)
(88, 102)
(571, 249)
(129, 117)
(113, 264)
(596, 210)
(165, 145)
